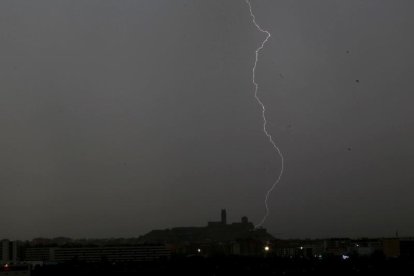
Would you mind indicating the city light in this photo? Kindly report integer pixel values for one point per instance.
(266, 248)
(319, 256)
(199, 250)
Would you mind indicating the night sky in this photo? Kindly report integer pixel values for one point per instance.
(118, 117)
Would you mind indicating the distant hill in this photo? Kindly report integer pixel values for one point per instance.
(216, 231)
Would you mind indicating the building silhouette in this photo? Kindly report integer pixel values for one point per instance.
(11, 251)
(223, 216)
(215, 231)
(136, 253)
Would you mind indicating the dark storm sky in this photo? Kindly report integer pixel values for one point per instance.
(118, 117)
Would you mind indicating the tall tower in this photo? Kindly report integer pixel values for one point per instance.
(5, 251)
(223, 216)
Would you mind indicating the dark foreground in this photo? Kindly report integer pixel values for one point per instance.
(236, 266)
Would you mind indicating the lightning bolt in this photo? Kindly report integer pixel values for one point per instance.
(256, 89)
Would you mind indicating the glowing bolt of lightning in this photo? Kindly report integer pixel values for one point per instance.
(256, 88)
